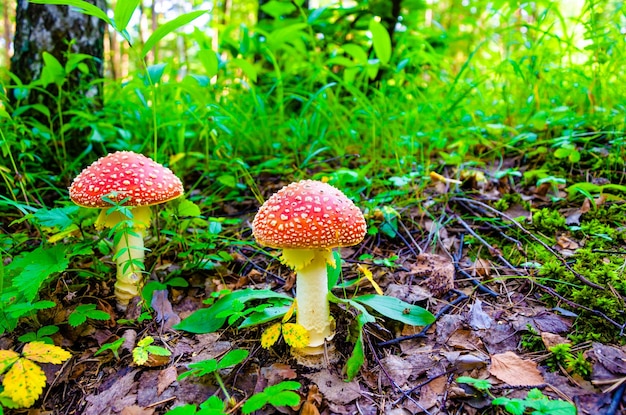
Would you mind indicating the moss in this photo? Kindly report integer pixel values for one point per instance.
(548, 221)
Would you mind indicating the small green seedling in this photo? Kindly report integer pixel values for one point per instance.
(42, 335)
(145, 348)
(535, 400)
(85, 311)
(114, 347)
(280, 394)
(205, 367)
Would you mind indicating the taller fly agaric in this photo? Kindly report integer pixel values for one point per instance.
(139, 183)
(307, 220)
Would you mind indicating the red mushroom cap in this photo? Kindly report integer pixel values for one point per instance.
(125, 174)
(308, 214)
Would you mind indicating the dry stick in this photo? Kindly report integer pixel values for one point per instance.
(259, 268)
(536, 239)
(390, 379)
(411, 238)
(422, 333)
(615, 401)
(457, 258)
(491, 249)
(576, 305)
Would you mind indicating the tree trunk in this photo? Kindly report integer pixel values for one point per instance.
(6, 30)
(57, 30)
(61, 32)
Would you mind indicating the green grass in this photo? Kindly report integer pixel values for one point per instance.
(536, 100)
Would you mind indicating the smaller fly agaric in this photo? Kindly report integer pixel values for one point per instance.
(307, 220)
(139, 182)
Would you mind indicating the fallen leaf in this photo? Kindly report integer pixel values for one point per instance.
(515, 371)
(166, 378)
(612, 358)
(482, 267)
(551, 339)
(137, 410)
(477, 318)
(163, 307)
(432, 393)
(335, 389)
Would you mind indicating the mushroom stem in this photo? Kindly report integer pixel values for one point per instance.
(313, 310)
(129, 259)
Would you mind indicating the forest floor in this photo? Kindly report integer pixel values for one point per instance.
(450, 254)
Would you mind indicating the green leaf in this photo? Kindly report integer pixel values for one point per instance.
(55, 218)
(277, 9)
(188, 208)
(209, 61)
(155, 73)
(480, 384)
(397, 309)
(53, 71)
(76, 319)
(123, 12)
(232, 358)
(513, 406)
(254, 403)
(334, 272)
(263, 316)
(356, 359)
(246, 67)
(168, 28)
(287, 385)
(381, 41)
(205, 320)
(285, 398)
(82, 6)
(37, 266)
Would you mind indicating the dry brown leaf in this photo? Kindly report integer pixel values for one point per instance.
(164, 313)
(137, 410)
(432, 392)
(551, 339)
(515, 371)
(482, 267)
(166, 378)
(565, 242)
(309, 408)
(334, 388)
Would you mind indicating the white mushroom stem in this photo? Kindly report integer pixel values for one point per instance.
(129, 259)
(313, 310)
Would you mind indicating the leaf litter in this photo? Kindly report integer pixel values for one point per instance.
(478, 332)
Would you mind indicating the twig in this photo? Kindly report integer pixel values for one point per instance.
(615, 401)
(576, 305)
(536, 239)
(493, 251)
(263, 270)
(457, 258)
(422, 333)
(390, 379)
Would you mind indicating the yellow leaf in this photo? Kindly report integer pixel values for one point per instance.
(368, 275)
(24, 382)
(295, 335)
(140, 355)
(7, 358)
(45, 353)
(289, 312)
(270, 336)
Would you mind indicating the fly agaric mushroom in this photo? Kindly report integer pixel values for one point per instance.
(139, 183)
(307, 220)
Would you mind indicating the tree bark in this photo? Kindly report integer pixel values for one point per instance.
(58, 30)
